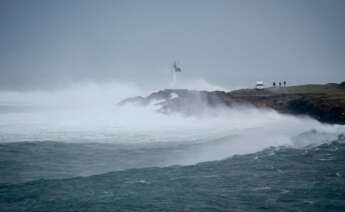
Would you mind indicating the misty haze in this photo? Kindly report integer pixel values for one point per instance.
(172, 106)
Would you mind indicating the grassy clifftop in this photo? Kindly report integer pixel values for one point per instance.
(325, 103)
(330, 89)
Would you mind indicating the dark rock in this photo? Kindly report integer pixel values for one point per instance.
(342, 85)
(327, 107)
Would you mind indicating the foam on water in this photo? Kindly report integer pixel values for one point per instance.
(88, 113)
(81, 149)
(276, 179)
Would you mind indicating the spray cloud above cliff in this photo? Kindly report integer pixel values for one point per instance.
(88, 113)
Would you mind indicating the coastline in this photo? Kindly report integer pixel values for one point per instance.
(325, 103)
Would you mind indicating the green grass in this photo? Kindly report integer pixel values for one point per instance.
(329, 92)
(330, 89)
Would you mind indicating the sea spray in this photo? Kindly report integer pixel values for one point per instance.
(82, 132)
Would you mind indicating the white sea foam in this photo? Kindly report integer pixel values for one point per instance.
(88, 113)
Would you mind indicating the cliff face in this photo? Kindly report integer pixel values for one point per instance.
(327, 107)
(325, 103)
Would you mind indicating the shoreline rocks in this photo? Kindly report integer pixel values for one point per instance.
(325, 103)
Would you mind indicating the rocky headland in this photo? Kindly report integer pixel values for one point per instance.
(325, 103)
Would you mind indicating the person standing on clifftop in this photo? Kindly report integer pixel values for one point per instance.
(284, 84)
(280, 84)
(274, 84)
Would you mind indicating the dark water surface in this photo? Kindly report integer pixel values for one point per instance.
(276, 179)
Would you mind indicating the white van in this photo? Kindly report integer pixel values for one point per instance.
(259, 85)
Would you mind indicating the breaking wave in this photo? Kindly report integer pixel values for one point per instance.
(88, 114)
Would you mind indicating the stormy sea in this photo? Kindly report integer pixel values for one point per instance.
(76, 150)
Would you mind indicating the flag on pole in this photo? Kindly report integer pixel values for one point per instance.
(176, 68)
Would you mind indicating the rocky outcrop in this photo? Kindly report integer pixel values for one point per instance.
(325, 103)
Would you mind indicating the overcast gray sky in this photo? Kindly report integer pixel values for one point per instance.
(53, 44)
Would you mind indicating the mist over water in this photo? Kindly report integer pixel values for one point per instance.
(82, 132)
(67, 145)
(88, 113)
